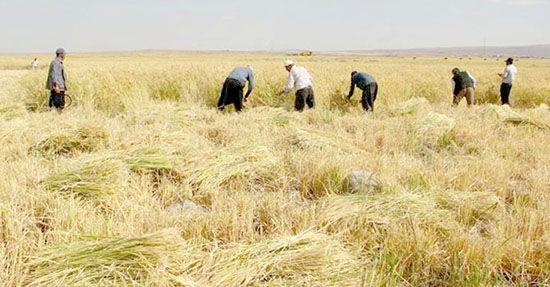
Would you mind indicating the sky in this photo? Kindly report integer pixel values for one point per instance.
(275, 25)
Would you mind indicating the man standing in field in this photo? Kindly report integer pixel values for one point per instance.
(57, 81)
(300, 79)
(463, 86)
(508, 78)
(233, 87)
(34, 64)
(368, 84)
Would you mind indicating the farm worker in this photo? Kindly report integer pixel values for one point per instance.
(233, 87)
(508, 78)
(300, 79)
(34, 64)
(463, 86)
(57, 81)
(368, 84)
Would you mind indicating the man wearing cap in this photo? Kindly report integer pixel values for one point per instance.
(300, 79)
(57, 81)
(368, 84)
(508, 78)
(463, 86)
(232, 91)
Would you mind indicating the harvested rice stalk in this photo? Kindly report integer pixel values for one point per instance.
(305, 259)
(86, 139)
(119, 261)
(215, 168)
(95, 180)
(360, 213)
(507, 115)
(150, 160)
(411, 107)
(12, 112)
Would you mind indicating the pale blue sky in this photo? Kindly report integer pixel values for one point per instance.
(113, 25)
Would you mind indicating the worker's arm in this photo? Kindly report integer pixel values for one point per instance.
(351, 89)
(289, 84)
(250, 85)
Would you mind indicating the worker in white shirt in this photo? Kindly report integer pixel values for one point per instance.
(300, 79)
(34, 64)
(508, 78)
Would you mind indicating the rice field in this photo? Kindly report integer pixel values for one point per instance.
(142, 182)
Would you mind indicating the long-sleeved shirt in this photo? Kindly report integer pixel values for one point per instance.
(298, 78)
(509, 75)
(362, 81)
(243, 75)
(56, 75)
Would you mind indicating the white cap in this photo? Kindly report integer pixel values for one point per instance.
(289, 63)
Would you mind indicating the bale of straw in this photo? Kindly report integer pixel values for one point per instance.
(411, 107)
(117, 261)
(306, 259)
(85, 139)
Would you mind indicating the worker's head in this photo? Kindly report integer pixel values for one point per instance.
(353, 73)
(455, 71)
(289, 64)
(509, 61)
(60, 53)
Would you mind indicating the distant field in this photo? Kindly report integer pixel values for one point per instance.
(94, 196)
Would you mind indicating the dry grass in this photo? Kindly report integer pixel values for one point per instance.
(86, 196)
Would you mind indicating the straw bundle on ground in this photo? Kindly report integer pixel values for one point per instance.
(507, 115)
(120, 261)
(150, 160)
(471, 208)
(359, 214)
(247, 165)
(411, 107)
(12, 112)
(86, 139)
(307, 259)
(96, 180)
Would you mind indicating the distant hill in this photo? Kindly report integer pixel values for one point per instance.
(535, 51)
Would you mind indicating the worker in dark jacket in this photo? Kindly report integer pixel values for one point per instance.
(57, 81)
(233, 87)
(463, 86)
(368, 84)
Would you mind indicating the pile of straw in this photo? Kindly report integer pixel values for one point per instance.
(120, 261)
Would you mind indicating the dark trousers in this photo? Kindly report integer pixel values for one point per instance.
(369, 96)
(505, 90)
(57, 100)
(232, 93)
(304, 96)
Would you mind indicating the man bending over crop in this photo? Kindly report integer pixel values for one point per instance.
(57, 81)
(463, 86)
(300, 79)
(233, 87)
(368, 84)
